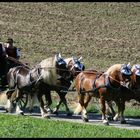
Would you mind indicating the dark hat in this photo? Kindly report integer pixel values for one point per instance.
(10, 40)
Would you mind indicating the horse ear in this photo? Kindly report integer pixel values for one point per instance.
(73, 59)
(128, 64)
(80, 58)
(59, 55)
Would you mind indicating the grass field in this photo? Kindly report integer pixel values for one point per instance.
(12, 126)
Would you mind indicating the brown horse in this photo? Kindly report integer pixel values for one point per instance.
(133, 92)
(29, 81)
(105, 86)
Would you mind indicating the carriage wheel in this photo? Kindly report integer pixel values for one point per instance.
(22, 101)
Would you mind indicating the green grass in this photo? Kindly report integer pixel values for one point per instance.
(12, 126)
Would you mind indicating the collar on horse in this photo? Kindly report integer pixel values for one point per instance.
(109, 84)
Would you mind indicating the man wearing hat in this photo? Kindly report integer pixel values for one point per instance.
(11, 51)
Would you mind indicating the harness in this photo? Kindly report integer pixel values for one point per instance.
(109, 85)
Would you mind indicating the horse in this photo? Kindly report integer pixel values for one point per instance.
(105, 86)
(133, 92)
(29, 81)
(74, 67)
(61, 88)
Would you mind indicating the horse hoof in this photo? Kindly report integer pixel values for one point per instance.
(47, 117)
(110, 118)
(85, 119)
(31, 111)
(21, 113)
(69, 114)
(105, 122)
(123, 122)
(55, 112)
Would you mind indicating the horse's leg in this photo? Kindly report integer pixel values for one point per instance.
(122, 108)
(55, 110)
(18, 96)
(103, 109)
(64, 101)
(78, 109)
(47, 101)
(43, 111)
(81, 108)
(30, 100)
(9, 105)
(110, 110)
(120, 113)
(87, 100)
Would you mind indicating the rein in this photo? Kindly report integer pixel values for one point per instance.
(16, 61)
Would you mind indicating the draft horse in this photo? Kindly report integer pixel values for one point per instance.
(62, 86)
(105, 86)
(29, 81)
(74, 66)
(133, 92)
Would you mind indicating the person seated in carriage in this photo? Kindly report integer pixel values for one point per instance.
(11, 51)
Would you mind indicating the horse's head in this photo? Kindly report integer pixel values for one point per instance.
(75, 66)
(136, 74)
(61, 66)
(126, 73)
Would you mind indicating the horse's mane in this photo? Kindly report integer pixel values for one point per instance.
(67, 60)
(48, 63)
(113, 68)
(48, 71)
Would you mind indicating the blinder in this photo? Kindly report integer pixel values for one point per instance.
(137, 68)
(126, 73)
(78, 66)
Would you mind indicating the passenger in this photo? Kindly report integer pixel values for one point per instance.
(11, 51)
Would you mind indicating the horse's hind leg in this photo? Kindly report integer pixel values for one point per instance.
(110, 110)
(64, 101)
(43, 111)
(18, 109)
(87, 100)
(30, 101)
(121, 108)
(78, 109)
(81, 108)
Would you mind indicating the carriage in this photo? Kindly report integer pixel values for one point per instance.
(12, 62)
